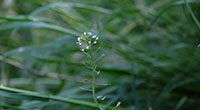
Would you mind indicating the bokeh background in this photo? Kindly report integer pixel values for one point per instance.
(151, 50)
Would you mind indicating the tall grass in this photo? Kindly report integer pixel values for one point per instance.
(151, 54)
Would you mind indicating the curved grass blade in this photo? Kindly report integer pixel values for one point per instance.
(36, 25)
(22, 94)
(68, 4)
(17, 18)
(23, 18)
(192, 14)
(29, 95)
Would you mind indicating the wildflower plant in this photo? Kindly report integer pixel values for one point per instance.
(86, 42)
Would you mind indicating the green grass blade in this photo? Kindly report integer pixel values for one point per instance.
(21, 18)
(9, 107)
(181, 103)
(29, 95)
(192, 14)
(68, 4)
(18, 93)
(36, 25)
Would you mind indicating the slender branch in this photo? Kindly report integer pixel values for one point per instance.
(85, 41)
(93, 65)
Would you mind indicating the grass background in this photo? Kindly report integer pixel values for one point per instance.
(151, 52)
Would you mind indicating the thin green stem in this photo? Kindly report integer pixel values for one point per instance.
(89, 40)
(93, 65)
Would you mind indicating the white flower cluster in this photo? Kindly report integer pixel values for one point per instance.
(86, 40)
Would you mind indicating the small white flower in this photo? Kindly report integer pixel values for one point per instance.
(84, 33)
(87, 47)
(79, 39)
(79, 43)
(89, 41)
(89, 33)
(98, 72)
(98, 97)
(97, 38)
(82, 50)
(94, 42)
(94, 36)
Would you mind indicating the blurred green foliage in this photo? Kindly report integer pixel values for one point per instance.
(150, 46)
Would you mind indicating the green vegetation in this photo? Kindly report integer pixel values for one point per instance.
(151, 52)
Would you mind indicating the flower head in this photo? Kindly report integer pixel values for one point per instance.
(86, 40)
